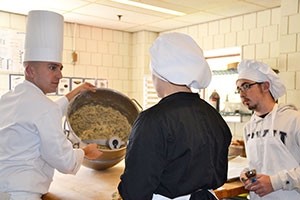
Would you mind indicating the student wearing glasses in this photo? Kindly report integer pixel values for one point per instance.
(272, 136)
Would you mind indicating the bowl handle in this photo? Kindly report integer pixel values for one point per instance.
(71, 136)
(137, 103)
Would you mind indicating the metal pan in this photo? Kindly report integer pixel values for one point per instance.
(104, 97)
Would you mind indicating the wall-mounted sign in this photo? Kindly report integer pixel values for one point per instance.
(11, 50)
(75, 82)
(90, 80)
(101, 83)
(64, 86)
(15, 79)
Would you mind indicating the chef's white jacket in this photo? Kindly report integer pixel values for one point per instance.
(32, 142)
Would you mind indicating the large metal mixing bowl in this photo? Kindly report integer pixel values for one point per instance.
(104, 97)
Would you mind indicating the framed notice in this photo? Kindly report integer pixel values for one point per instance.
(101, 83)
(11, 50)
(90, 80)
(64, 86)
(75, 82)
(15, 79)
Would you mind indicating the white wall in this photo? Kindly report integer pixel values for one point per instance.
(289, 59)
(102, 53)
(142, 41)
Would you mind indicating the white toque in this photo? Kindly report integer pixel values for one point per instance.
(44, 36)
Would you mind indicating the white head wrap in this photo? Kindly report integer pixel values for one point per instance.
(44, 36)
(260, 72)
(176, 58)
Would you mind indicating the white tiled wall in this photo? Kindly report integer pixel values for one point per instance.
(17, 22)
(102, 53)
(289, 7)
(142, 41)
(258, 34)
(290, 51)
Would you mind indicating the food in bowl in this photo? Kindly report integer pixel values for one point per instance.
(91, 122)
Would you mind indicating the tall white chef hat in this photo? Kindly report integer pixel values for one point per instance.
(44, 36)
(260, 72)
(176, 58)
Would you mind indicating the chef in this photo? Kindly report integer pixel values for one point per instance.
(177, 148)
(272, 136)
(32, 141)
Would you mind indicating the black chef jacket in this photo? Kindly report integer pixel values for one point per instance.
(176, 147)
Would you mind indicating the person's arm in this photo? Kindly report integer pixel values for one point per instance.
(91, 151)
(82, 88)
(144, 160)
(287, 180)
(243, 177)
(63, 101)
(55, 149)
(261, 185)
(290, 179)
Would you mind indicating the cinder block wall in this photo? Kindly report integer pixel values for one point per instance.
(289, 63)
(257, 33)
(102, 53)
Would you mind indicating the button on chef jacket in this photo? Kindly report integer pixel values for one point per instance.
(175, 148)
(32, 142)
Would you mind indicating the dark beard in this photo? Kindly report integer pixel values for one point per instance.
(252, 107)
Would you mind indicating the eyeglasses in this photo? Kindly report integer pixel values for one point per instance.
(245, 87)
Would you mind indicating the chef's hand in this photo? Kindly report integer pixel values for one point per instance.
(243, 178)
(81, 88)
(262, 186)
(91, 151)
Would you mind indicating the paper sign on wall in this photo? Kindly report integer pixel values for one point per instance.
(63, 86)
(75, 82)
(91, 81)
(11, 50)
(101, 83)
(15, 79)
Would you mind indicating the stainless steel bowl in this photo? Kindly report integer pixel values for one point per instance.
(104, 97)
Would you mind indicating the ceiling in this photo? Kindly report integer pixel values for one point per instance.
(104, 13)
